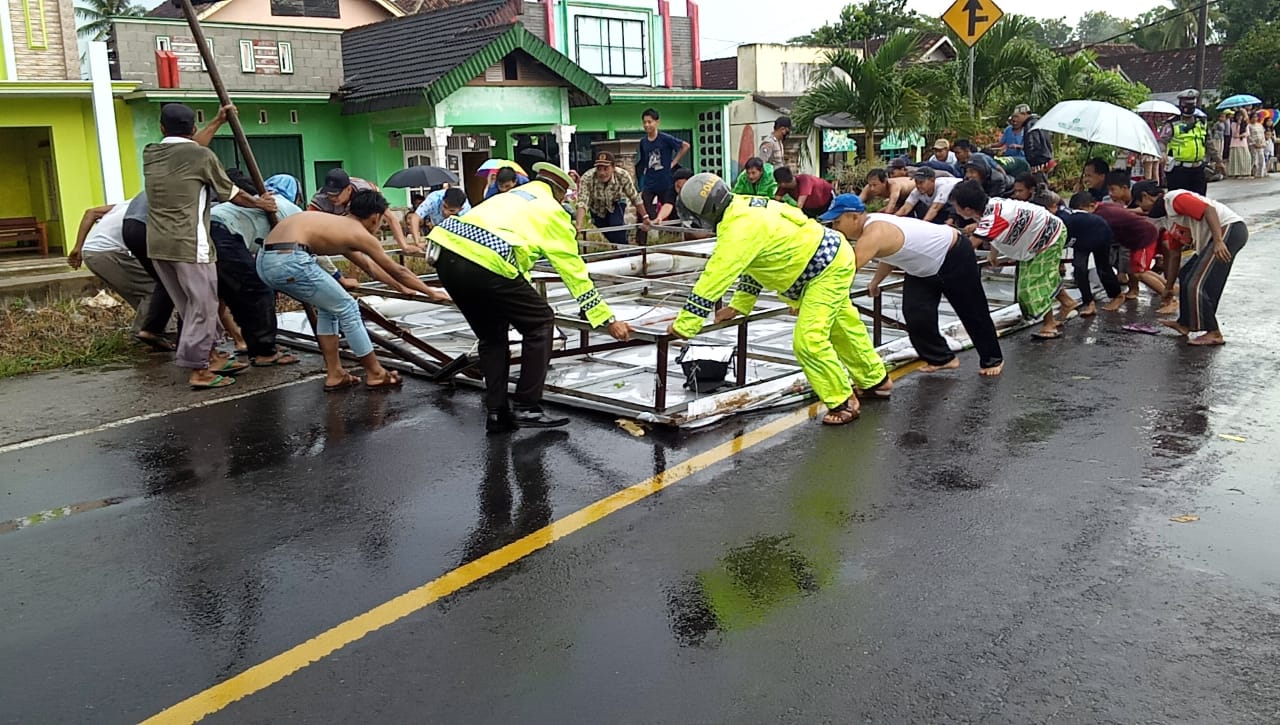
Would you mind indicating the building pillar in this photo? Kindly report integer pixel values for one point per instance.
(564, 138)
(104, 116)
(439, 136)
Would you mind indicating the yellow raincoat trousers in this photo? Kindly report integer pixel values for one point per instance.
(766, 244)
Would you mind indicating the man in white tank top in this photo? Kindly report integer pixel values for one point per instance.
(937, 261)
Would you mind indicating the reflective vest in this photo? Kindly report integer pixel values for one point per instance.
(1186, 145)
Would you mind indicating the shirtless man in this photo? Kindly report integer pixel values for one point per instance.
(938, 261)
(288, 263)
(894, 190)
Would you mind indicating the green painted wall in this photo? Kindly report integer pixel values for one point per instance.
(616, 118)
(321, 126)
(523, 106)
(14, 159)
(67, 125)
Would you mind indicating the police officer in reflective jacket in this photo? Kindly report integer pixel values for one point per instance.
(1186, 145)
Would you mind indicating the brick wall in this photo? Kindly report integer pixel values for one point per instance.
(59, 59)
(317, 57)
(681, 52)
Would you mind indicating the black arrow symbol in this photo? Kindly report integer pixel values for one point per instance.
(973, 7)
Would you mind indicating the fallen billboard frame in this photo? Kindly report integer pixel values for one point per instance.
(641, 379)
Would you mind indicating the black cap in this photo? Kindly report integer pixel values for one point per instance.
(177, 119)
(335, 181)
(924, 173)
(900, 162)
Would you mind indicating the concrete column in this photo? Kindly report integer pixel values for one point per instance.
(104, 116)
(564, 137)
(439, 136)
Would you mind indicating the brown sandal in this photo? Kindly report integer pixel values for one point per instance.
(842, 414)
(350, 381)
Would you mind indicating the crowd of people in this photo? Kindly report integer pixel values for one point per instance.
(171, 249)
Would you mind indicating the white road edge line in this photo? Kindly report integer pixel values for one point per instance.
(32, 443)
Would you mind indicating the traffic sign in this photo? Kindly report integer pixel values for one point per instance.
(971, 19)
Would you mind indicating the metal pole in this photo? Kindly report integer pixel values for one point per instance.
(972, 108)
(1202, 30)
(224, 99)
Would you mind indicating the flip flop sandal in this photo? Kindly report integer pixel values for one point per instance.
(219, 381)
(348, 382)
(840, 412)
(281, 358)
(231, 367)
(1046, 335)
(875, 391)
(393, 380)
(157, 344)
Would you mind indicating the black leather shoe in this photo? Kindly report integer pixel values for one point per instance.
(535, 418)
(499, 421)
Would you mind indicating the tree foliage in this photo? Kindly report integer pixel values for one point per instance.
(1253, 64)
(1049, 32)
(870, 19)
(1099, 25)
(1241, 16)
(882, 90)
(1179, 30)
(94, 16)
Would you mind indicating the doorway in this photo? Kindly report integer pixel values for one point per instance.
(472, 181)
(274, 154)
(30, 207)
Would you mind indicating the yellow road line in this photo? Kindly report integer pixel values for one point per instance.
(262, 676)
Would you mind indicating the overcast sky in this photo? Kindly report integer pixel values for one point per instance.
(728, 23)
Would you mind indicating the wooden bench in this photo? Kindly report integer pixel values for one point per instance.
(23, 229)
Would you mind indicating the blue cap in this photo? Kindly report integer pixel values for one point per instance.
(843, 204)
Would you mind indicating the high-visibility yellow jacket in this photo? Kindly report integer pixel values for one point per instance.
(760, 243)
(1186, 144)
(508, 233)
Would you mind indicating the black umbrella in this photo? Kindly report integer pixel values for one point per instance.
(421, 176)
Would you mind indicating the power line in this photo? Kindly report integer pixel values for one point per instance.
(1153, 23)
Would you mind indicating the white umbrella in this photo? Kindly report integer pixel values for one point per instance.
(1163, 108)
(1101, 123)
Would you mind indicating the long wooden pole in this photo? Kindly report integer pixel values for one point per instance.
(224, 98)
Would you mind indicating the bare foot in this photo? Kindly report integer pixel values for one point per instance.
(1176, 327)
(1065, 310)
(1115, 304)
(1208, 339)
(950, 365)
(991, 372)
(1169, 308)
(1089, 310)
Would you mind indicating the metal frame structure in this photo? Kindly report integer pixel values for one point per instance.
(636, 378)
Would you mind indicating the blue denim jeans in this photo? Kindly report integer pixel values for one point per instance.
(296, 274)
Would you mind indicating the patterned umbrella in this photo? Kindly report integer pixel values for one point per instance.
(495, 164)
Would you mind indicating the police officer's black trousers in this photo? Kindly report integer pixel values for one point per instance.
(492, 304)
(1190, 178)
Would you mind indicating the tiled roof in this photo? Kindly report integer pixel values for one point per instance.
(1102, 50)
(165, 9)
(1166, 71)
(720, 73)
(926, 42)
(439, 51)
(781, 104)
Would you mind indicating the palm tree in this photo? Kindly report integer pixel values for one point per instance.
(1176, 32)
(1008, 63)
(95, 16)
(882, 91)
(1078, 76)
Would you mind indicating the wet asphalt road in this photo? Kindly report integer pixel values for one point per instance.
(972, 551)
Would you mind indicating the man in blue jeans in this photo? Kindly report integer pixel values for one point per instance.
(288, 263)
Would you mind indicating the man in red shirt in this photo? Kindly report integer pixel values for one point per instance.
(812, 194)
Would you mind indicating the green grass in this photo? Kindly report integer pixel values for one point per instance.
(63, 334)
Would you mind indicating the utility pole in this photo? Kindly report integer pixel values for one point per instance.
(1202, 30)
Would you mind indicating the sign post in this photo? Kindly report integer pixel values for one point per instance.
(970, 20)
(224, 98)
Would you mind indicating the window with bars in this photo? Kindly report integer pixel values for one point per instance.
(610, 46)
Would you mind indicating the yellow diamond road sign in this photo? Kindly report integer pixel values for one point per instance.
(971, 19)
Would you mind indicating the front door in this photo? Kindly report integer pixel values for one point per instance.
(274, 154)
